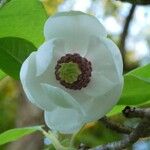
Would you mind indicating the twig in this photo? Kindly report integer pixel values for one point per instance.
(138, 2)
(125, 33)
(115, 126)
(141, 130)
(129, 140)
(83, 147)
(131, 112)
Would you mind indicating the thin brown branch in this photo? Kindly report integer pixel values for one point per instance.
(129, 140)
(115, 126)
(140, 131)
(137, 2)
(125, 33)
(132, 112)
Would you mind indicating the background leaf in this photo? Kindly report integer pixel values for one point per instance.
(2, 74)
(24, 19)
(137, 86)
(13, 51)
(15, 134)
(116, 110)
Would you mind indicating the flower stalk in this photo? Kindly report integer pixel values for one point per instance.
(56, 143)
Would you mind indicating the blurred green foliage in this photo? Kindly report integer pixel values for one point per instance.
(8, 104)
(2, 74)
(51, 6)
(111, 8)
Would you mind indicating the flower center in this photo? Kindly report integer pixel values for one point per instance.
(69, 72)
(73, 71)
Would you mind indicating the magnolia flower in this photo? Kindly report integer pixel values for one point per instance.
(76, 74)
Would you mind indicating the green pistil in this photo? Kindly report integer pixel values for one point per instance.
(69, 72)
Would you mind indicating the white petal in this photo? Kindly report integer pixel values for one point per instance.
(80, 96)
(45, 53)
(32, 84)
(60, 98)
(98, 85)
(64, 120)
(24, 73)
(78, 45)
(59, 49)
(78, 24)
(105, 58)
(75, 28)
(115, 53)
(106, 81)
(44, 96)
(99, 106)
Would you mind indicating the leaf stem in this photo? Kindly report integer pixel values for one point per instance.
(72, 139)
(55, 141)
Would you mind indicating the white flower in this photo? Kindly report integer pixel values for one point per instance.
(76, 75)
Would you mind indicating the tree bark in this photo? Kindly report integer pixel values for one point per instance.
(137, 2)
(124, 35)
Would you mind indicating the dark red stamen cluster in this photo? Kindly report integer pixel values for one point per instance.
(85, 67)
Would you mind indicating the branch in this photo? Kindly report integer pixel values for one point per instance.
(141, 130)
(125, 33)
(83, 147)
(115, 126)
(129, 140)
(137, 2)
(131, 112)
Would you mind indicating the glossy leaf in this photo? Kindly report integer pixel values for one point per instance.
(24, 19)
(116, 110)
(13, 51)
(136, 86)
(15, 134)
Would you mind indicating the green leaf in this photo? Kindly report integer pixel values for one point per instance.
(142, 73)
(116, 110)
(13, 52)
(14, 134)
(24, 19)
(136, 86)
(2, 74)
(66, 142)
